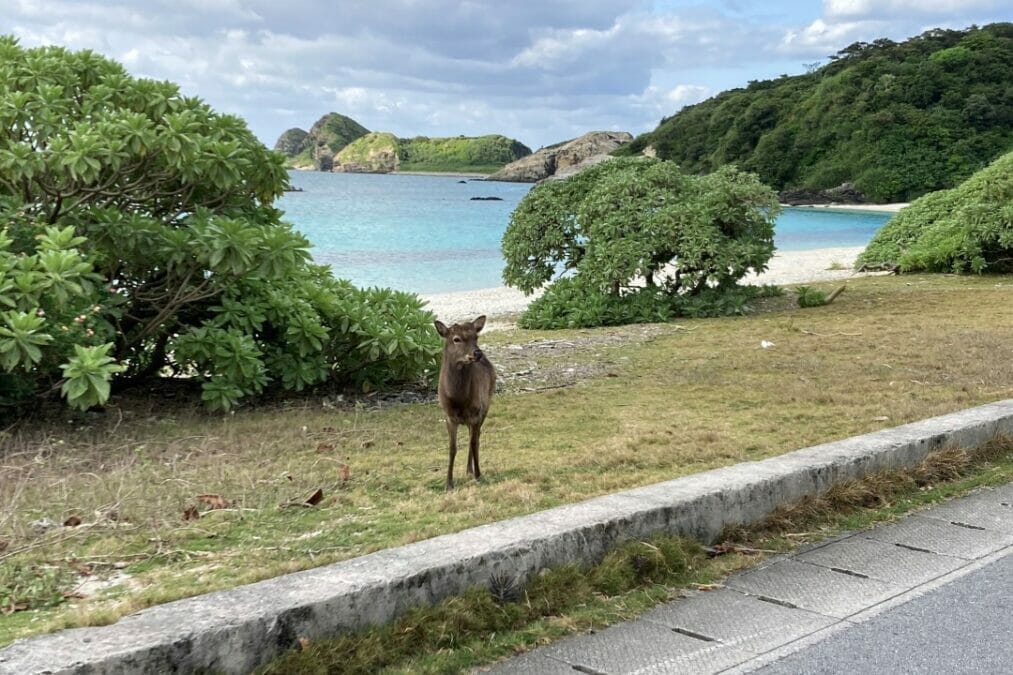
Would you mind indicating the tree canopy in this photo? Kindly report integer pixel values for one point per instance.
(897, 120)
(966, 229)
(139, 237)
(638, 231)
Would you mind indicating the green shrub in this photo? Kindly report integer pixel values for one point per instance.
(138, 237)
(965, 229)
(27, 587)
(810, 297)
(641, 242)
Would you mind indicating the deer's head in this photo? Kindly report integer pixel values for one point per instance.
(460, 341)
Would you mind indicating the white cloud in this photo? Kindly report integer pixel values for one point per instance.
(879, 8)
(539, 72)
(822, 38)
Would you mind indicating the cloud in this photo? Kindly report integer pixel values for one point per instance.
(537, 71)
(880, 8)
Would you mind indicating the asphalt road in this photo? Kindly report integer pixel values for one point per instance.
(932, 593)
(965, 626)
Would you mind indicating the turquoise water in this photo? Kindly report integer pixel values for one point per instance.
(425, 233)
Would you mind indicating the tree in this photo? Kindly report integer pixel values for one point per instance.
(139, 235)
(897, 120)
(636, 223)
(968, 228)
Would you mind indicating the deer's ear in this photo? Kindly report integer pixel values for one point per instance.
(441, 328)
(479, 323)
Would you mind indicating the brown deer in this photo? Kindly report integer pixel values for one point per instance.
(467, 381)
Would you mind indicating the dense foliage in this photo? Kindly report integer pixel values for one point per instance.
(965, 229)
(138, 237)
(896, 119)
(638, 240)
(482, 153)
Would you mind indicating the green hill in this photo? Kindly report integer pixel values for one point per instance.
(481, 154)
(895, 119)
(381, 152)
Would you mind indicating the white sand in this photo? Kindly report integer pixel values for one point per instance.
(883, 208)
(787, 267)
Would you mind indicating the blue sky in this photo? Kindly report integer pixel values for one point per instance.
(540, 72)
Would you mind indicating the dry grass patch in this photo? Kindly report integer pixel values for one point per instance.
(672, 400)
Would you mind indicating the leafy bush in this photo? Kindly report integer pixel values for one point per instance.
(966, 229)
(641, 241)
(138, 237)
(27, 587)
(810, 297)
(568, 303)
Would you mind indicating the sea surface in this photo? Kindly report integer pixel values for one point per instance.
(427, 235)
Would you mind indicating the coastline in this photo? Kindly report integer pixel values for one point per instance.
(881, 208)
(785, 268)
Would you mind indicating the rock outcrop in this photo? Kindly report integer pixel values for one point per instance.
(563, 159)
(291, 142)
(326, 138)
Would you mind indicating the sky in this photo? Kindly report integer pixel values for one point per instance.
(539, 71)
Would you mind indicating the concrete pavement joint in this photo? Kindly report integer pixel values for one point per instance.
(235, 631)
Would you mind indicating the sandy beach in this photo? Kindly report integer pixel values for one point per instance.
(785, 268)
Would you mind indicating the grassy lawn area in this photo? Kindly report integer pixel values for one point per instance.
(582, 413)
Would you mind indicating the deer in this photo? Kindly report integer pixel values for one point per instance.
(467, 381)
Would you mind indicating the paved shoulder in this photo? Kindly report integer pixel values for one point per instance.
(874, 601)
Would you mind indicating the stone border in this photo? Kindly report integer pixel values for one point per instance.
(236, 630)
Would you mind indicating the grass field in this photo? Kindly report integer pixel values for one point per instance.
(173, 502)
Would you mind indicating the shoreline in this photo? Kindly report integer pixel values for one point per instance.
(880, 208)
(785, 268)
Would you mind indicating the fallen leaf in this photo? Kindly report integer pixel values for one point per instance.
(315, 498)
(708, 587)
(346, 473)
(214, 501)
(73, 521)
(191, 513)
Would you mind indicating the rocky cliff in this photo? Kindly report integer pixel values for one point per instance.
(317, 148)
(563, 159)
(291, 142)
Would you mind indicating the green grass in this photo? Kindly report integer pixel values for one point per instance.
(582, 413)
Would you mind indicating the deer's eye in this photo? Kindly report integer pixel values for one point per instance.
(457, 339)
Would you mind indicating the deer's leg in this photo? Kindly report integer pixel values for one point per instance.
(452, 432)
(476, 433)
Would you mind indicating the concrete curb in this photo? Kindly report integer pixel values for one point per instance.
(235, 631)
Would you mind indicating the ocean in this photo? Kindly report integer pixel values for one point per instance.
(426, 234)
